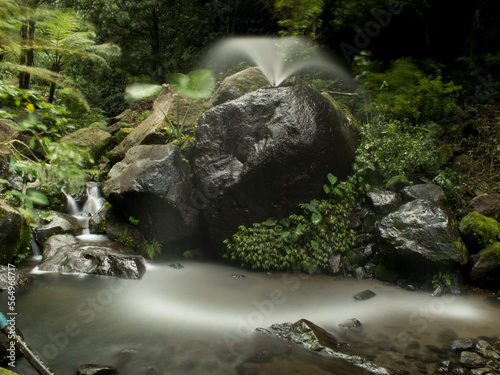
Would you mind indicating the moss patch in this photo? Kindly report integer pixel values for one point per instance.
(478, 230)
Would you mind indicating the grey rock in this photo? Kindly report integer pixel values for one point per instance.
(364, 295)
(430, 192)
(471, 360)
(90, 369)
(421, 231)
(260, 155)
(152, 185)
(94, 141)
(121, 230)
(350, 323)
(485, 204)
(21, 278)
(177, 266)
(335, 263)
(60, 223)
(103, 258)
(486, 263)
(383, 201)
(461, 345)
(56, 242)
(486, 350)
(359, 273)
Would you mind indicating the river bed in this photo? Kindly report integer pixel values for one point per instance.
(201, 319)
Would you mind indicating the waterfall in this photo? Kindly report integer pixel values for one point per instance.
(92, 205)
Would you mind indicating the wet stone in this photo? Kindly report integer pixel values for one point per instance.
(177, 266)
(350, 323)
(238, 276)
(471, 360)
(460, 345)
(90, 369)
(364, 295)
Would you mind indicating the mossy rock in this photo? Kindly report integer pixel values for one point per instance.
(385, 273)
(464, 164)
(485, 265)
(4, 371)
(445, 154)
(15, 234)
(479, 231)
(397, 183)
(120, 135)
(95, 141)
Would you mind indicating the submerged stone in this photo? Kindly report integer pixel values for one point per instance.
(90, 369)
(177, 266)
(350, 323)
(103, 258)
(364, 295)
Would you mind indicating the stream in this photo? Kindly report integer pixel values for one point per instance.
(201, 319)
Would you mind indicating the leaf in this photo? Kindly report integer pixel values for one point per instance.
(313, 207)
(314, 245)
(37, 197)
(316, 218)
(138, 91)
(285, 234)
(331, 178)
(198, 84)
(327, 189)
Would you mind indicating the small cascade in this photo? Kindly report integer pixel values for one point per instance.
(35, 247)
(91, 206)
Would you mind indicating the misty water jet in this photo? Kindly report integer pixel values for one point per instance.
(277, 58)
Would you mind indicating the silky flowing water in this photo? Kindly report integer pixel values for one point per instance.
(201, 319)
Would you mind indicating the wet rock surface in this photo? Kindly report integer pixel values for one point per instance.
(309, 336)
(430, 192)
(152, 185)
(104, 258)
(383, 201)
(90, 369)
(60, 223)
(260, 155)
(364, 295)
(476, 357)
(21, 278)
(421, 231)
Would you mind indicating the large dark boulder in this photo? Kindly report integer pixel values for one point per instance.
(100, 258)
(260, 155)
(486, 263)
(15, 233)
(421, 231)
(152, 187)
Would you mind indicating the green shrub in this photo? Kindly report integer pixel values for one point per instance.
(406, 93)
(394, 148)
(299, 241)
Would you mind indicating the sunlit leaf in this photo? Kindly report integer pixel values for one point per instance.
(138, 91)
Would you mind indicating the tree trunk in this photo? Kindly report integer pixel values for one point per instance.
(27, 53)
(52, 92)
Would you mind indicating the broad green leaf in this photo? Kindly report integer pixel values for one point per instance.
(327, 189)
(37, 197)
(331, 178)
(312, 207)
(314, 245)
(198, 84)
(316, 218)
(285, 234)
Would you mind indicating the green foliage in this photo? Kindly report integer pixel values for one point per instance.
(299, 241)
(441, 279)
(151, 248)
(299, 17)
(198, 84)
(406, 93)
(133, 220)
(395, 148)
